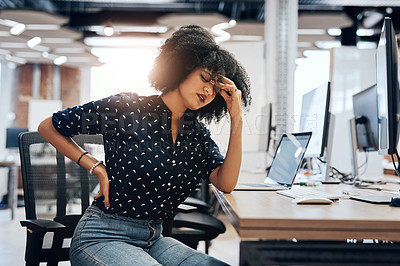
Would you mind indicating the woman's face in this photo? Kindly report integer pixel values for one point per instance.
(197, 90)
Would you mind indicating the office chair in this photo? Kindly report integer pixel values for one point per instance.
(56, 193)
(192, 225)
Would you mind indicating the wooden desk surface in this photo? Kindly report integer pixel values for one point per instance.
(266, 215)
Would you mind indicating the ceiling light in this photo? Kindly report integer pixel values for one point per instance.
(327, 44)
(365, 32)
(8, 23)
(60, 60)
(219, 30)
(15, 59)
(108, 29)
(18, 29)
(34, 41)
(334, 32)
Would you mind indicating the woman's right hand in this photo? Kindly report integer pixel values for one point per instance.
(101, 174)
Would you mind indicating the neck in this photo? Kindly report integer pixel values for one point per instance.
(173, 101)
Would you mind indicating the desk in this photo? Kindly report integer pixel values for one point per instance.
(265, 220)
(12, 184)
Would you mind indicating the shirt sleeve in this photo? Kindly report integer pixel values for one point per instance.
(96, 117)
(212, 154)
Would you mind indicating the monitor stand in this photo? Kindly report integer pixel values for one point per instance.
(324, 176)
(353, 147)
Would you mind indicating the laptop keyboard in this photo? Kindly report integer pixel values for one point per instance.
(303, 192)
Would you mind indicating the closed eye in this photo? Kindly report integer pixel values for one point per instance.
(205, 78)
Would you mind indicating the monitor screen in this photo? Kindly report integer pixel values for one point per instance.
(12, 136)
(365, 108)
(314, 117)
(388, 88)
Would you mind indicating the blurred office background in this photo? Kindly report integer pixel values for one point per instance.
(60, 53)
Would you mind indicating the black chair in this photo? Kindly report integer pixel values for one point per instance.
(194, 222)
(56, 193)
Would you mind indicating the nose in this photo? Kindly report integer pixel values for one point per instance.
(209, 90)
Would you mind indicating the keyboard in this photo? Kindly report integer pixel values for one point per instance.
(302, 192)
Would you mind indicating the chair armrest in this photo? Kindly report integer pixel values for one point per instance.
(201, 205)
(42, 225)
(185, 208)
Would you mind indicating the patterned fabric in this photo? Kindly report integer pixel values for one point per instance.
(149, 174)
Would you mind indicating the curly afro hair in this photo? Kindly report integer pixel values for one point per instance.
(191, 47)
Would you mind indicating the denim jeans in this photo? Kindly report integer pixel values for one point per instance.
(108, 239)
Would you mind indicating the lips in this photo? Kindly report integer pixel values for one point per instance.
(202, 98)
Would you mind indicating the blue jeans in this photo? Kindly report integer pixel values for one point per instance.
(108, 239)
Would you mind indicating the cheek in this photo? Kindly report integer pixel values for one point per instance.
(211, 98)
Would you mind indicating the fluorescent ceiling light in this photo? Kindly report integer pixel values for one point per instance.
(219, 30)
(108, 30)
(15, 59)
(365, 32)
(327, 44)
(8, 23)
(366, 45)
(60, 60)
(18, 29)
(334, 32)
(34, 41)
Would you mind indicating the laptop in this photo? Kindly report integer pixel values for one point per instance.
(285, 163)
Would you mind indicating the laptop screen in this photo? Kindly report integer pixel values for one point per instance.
(287, 159)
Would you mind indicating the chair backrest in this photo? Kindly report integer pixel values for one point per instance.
(56, 193)
(54, 186)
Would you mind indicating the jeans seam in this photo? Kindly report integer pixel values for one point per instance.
(80, 246)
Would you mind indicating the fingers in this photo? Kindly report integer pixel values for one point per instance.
(103, 192)
(106, 201)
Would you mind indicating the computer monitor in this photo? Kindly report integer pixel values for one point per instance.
(388, 88)
(12, 134)
(365, 108)
(316, 117)
(270, 135)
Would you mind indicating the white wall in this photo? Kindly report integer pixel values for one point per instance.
(353, 70)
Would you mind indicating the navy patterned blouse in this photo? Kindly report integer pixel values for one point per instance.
(149, 174)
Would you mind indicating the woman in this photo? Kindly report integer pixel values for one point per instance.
(156, 152)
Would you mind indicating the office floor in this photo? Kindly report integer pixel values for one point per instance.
(12, 241)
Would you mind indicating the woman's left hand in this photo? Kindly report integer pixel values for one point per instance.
(232, 97)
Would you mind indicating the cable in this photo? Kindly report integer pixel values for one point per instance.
(394, 163)
(364, 163)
